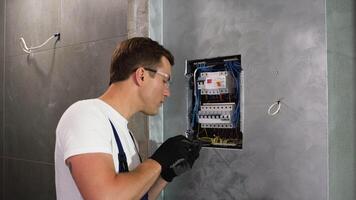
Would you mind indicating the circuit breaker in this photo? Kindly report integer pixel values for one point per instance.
(215, 96)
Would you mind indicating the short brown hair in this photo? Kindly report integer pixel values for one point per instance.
(134, 52)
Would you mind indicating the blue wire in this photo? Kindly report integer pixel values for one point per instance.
(200, 67)
(235, 69)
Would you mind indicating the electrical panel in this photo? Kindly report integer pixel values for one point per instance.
(215, 96)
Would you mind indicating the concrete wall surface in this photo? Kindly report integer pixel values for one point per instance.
(283, 49)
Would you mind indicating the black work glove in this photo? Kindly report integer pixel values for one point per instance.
(194, 152)
(184, 164)
(171, 151)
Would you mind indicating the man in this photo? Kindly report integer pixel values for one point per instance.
(96, 155)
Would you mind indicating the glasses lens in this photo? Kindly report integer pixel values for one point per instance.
(166, 77)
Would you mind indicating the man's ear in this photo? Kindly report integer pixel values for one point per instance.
(140, 75)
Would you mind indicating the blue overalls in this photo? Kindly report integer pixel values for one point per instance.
(122, 156)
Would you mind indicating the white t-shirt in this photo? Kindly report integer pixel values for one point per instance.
(85, 128)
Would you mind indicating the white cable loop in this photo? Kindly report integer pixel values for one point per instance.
(29, 50)
(278, 104)
(24, 46)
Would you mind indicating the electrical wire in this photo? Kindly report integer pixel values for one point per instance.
(235, 69)
(30, 49)
(203, 68)
(278, 104)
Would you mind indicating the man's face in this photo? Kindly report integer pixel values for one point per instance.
(157, 87)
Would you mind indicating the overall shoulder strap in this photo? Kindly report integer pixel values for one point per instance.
(136, 148)
(121, 155)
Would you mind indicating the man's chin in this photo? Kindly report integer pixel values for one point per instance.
(150, 113)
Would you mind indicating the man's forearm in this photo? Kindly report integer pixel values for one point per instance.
(147, 172)
(156, 189)
(95, 176)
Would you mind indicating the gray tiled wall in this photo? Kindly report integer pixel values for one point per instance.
(28, 180)
(2, 180)
(39, 87)
(27, 134)
(33, 20)
(43, 80)
(2, 50)
(89, 20)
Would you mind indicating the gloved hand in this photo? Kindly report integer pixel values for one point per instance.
(194, 152)
(184, 164)
(172, 150)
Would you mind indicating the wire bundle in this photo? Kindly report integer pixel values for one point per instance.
(202, 68)
(235, 68)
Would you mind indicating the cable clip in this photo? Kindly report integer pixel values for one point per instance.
(275, 104)
(29, 50)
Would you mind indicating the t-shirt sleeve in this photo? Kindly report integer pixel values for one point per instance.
(84, 130)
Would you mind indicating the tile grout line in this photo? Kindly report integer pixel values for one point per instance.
(26, 160)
